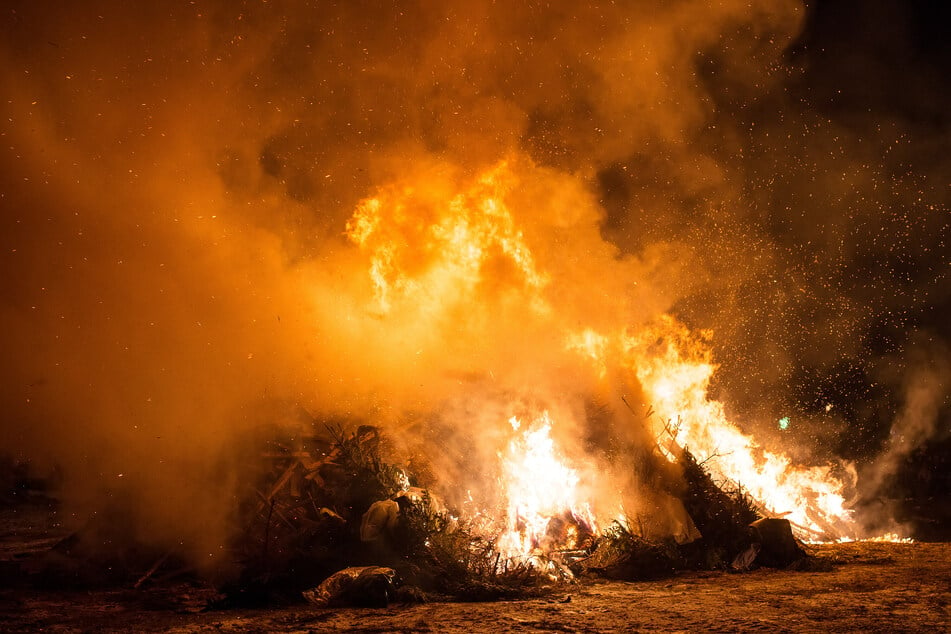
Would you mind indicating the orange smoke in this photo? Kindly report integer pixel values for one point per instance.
(443, 212)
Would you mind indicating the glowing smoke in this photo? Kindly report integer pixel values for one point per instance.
(177, 183)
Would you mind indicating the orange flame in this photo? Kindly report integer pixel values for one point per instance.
(674, 366)
(425, 248)
(542, 492)
(431, 245)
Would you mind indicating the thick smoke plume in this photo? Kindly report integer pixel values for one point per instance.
(178, 180)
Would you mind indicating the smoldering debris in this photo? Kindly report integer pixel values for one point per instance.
(364, 586)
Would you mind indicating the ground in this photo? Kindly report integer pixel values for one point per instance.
(873, 587)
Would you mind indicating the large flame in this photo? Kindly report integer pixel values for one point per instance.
(431, 249)
(545, 508)
(176, 180)
(426, 249)
(674, 367)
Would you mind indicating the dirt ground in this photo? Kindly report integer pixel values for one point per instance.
(873, 587)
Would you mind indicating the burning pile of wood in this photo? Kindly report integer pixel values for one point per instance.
(334, 504)
(328, 518)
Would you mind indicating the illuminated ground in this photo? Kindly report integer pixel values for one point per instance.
(874, 587)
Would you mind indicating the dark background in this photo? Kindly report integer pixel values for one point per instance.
(867, 63)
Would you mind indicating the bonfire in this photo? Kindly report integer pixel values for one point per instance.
(352, 303)
(645, 477)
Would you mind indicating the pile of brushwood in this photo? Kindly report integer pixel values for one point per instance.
(725, 518)
(335, 504)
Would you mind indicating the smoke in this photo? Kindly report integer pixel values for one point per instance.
(177, 183)
(924, 397)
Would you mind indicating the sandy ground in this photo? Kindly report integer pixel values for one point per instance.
(873, 587)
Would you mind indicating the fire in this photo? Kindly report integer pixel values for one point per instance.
(432, 246)
(887, 538)
(427, 246)
(674, 366)
(545, 509)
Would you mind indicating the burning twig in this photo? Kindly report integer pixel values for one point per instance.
(716, 454)
(624, 400)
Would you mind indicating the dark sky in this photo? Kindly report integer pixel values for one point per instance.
(871, 66)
